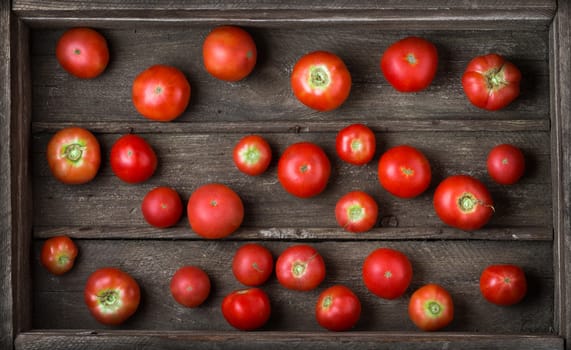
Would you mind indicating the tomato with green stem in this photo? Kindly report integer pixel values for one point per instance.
(252, 155)
(431, 307)
(58, 254)
(338, 308)
(357, 211)
(300, 267)
(356, 144)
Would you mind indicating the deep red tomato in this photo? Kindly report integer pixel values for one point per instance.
(431, 308)
(503, 284)
(300, 267)
(111, 295)
(252, 155)
(463, 202)
(356, 211)
(190, 286)
(247, 309)
(74, 155)
(161, 93)
(338, 308)
(82, 52)
(132, 159)
(506, 164)
(58, 254)
(215, 211)
(253, 264)
(387, 273)
(162, 207)
(410, 64)
(304, 169)
(356, 144)
(320, 80)
(404, 171)
(491, 82)
(229, 53)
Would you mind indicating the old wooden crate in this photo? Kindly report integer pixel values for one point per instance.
(531, 226)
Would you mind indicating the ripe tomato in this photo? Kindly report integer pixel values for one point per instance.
(338, 308)
(133, 160)
(82, 52)
(162, 207)
(252, 155)
(215, 211)
(387, 273)
(304, 169)
(111, 295)
(190, 286)
(404, 171)
(356, 144)
(503, 284)
(410, 64)
(431, 308)
(463, 202)
(229, 53)
(161, 93)
(300, 267)
(252, 264)
(320, 80)
(506, 164)
(58, 254)
(490, 82)
(246, 309)
(356, 212)
(74, 155)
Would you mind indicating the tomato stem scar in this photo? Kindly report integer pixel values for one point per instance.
(74, 152)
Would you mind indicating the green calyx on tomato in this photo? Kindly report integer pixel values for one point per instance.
(250, 154)
(468, 203)
(109, 300)
(355, 212)
(495, 78)
(74, 152)
(319, 77)
(411, 59)
(298, 268)
(327, 302)
(432, 308)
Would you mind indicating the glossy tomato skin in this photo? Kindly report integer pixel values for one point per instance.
(252, 155)
(338, 308)
(410, 64)
(252, 264)
(132, 159)
(300, 267)
(229, 53)
(431, 308)
(83, 52)
(356, 144)
(58, 254)
(387, 273)
(304, 169)
(162, 207)
(503, 284)
(506, 164)
(247, 309)
(490, 82)
(404, 171)
(357, 212)
(74, 155)
(320, 80)
(190, 286)
(111, 295)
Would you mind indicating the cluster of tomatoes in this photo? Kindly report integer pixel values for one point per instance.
(321, 81)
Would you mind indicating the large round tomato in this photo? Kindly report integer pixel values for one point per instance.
(162, 207)
(503, 284)
(252, 264)
(356, 144)
(300, 267)
(357, 211)
(190, 286)
(215, 211)
(463, 202)
(320, 80)
(132, 159)
(247, 309)
(82, 52)
(506, 164)
(58, 254)
(404, 171)
(111, 295)
(410, 64)
(387, 273)
(338, 308)
(229, 53)
(431, 307)
(252, 155)
(304, 169)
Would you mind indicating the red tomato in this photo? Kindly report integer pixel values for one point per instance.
(431, 308)
(229, 53)
(300, 267)
(320, 80)
(304, 169)
(410, 64)
(387, 273)
(503, 284)
(111, 295)
(74, 155)
(58, 254)
(162, 207)
(215, 211)
(356, 144)
(338, 308)
(252, 155)
(252, 264)
(82, 52)
(356, 212)
(490, 82)
(463, 202)
(161, 93)
(506, 164)
(404, 171)
(133, 160)
(246, 309)
(190, 286)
